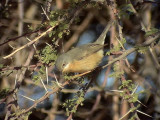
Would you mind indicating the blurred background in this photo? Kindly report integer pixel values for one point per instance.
(29, 74)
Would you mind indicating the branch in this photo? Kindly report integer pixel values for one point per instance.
(127, 52)
(20, 67)
(25, 34)
(46, 96)
(31, 42)
(73, 15)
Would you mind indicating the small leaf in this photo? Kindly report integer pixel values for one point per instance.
(151, 32)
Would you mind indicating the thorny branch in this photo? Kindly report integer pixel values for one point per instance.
(127, 52)
(146, 43)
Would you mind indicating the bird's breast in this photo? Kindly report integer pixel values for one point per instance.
(86, 64)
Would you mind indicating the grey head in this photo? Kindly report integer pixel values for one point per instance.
(62, 61)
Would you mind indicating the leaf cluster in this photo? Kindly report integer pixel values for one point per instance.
(126, 10)
(116, 48)
(142, 50)
(18, 114)
(4, 92)
(117, 72)
(47, 55)
(71, 104)
(39, 75)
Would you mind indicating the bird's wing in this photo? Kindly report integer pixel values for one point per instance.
(102, 37)
(83, 51)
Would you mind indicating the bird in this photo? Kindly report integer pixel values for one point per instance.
(83, 58)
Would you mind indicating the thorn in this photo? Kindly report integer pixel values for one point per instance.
(43, 85)
(125, 115)
(45, 13)
(116, 91)
(135, 90)
(48, 44)
(27, 97)
(12, 46)
(141, 103)
(144, 113)
(59, 84)
(47, 74)
(30, 41)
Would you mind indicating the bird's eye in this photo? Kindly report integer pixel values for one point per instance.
(63, 64)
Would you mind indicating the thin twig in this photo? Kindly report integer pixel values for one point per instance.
(13, 39)
(31, 42)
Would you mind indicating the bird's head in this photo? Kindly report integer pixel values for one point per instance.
(62, 63)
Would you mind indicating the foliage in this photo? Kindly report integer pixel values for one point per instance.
(118, 47)
(41, 75)
(65, 21)
(21, 116)
(4, 92)
(128, 88)
(47, 55)
(78, 98)
(151, 31)
(71, 104)
(142, 50)
(117, 72)
(126, 10)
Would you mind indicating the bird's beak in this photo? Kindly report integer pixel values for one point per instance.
(66, 68)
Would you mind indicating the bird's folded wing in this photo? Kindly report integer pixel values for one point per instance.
(83, 51)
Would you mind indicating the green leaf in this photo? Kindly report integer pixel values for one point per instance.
(127, 7)
(47, 55)
(142, 50)
(53, 23)
(4, 92)
(50, 34)
(60, 34)
(151, 32)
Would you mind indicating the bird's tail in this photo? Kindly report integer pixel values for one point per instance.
(102, 37)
